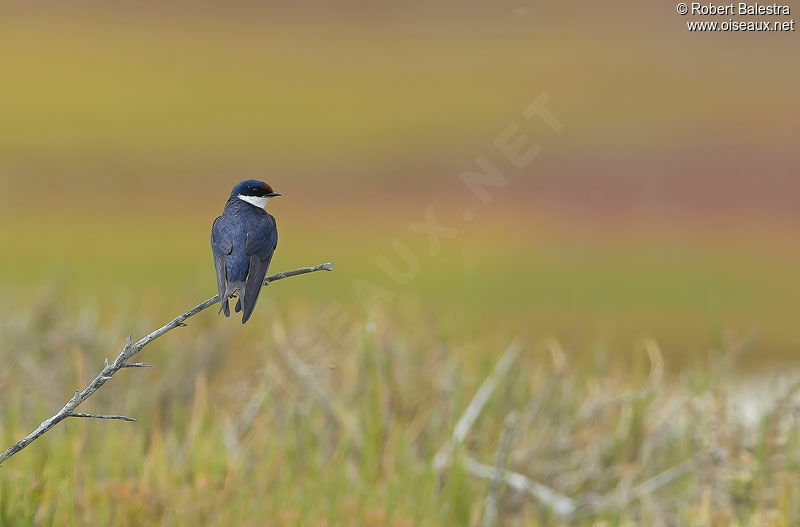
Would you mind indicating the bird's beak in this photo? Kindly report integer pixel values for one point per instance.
(273, 194)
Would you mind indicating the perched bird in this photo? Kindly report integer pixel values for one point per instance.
(243, 240)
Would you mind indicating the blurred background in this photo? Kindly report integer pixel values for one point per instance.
(666, 208)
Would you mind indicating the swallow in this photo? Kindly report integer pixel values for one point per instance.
(243, 240)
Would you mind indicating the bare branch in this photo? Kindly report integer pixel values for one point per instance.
(303, 270)
(129, 350)
(100, 416)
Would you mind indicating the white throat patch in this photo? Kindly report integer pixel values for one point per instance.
(257, 201)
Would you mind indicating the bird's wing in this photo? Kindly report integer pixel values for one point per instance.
(221, 247)
(261, 243)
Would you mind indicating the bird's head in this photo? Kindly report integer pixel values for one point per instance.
(254, 192)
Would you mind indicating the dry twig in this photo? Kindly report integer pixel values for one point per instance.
(129, 350)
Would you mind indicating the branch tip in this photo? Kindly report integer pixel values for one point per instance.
(137, 365)
(101, 416)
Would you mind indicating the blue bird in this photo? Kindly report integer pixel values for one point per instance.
(243, 240)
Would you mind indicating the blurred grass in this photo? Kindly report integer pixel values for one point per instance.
(229, 433)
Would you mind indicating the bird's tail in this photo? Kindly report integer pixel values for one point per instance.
(224, 307)
(231, 289)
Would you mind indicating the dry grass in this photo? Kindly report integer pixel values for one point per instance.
(300, 428)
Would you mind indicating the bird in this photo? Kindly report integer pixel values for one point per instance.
(243, 240)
